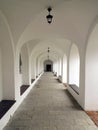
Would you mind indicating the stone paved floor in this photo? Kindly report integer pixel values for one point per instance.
(49, 106)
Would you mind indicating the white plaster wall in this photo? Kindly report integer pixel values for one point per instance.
(8, 74)
(56, 67)
(59, 68)
(29, 70)
(40, 67)
(91, 81)
(74, 66)
(25, 65)
(18, 76)
(8, 81)
(20, 80)
(64, 69)
(37, 67)
(33, 69)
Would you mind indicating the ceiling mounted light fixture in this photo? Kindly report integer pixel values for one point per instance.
(48, 53)
(49, 16)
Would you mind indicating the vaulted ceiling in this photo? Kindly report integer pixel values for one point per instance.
(27, 20)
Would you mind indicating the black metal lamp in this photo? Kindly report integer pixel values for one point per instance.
(49, 16)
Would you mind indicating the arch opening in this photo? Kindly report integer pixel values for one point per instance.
(91, 71)
(24, 69)
(74, 66)
(48, 66)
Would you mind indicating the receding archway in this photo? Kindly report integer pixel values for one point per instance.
(48, 66)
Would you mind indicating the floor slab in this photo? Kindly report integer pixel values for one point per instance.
(49, 106)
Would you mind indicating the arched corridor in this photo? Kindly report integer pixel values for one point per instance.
(66, 47)
(49, 106)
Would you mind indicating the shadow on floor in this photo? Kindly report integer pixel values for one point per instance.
(58, 80)
(75, 105)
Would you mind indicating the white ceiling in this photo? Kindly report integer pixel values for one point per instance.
(72, 20)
